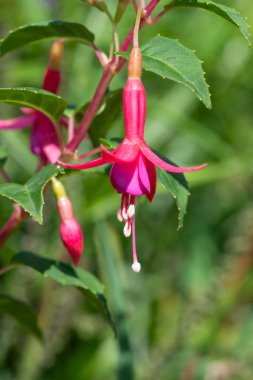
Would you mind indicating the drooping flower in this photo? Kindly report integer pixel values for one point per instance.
(70, 230)
(44, 141)
(133, 171)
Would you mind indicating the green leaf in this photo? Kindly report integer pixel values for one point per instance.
(99, 4)
(44, 30)
(22, 312)
(121, 8)
(170, 59)
(229, 14)
(68, 275)
(111, 110)
(109, 254)
(44, 101)
(3, 155)
(30, 195)
(177, 185)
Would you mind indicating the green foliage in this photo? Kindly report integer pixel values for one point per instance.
(109, 265)
(3, 155)
(30, 195)
(111, 110)
(68, 276)
(37, 32)
(171, 60)
(46, 102)
(177, 186)
(121, 8)
(229, 14)
(22, 312)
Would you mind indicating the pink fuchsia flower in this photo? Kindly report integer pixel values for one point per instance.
(70, 230)
(44, 141)
(133, 171)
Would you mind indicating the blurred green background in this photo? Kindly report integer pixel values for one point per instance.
(189, 314)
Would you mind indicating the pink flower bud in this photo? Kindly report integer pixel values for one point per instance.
(70, 230)
(72, 238)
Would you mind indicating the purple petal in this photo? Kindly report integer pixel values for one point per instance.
(44, 139)
(125, 178)
(151, 172)
(133, 178)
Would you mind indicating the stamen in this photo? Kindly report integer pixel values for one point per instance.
(127, 229)
(131, 211)
(124, 206)
(124, 214)
(131, 208)
(136, 266)
(119, 215)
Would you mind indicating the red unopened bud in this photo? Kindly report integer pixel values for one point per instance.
(72, 238)
(56, 54)
(70, 230)
(52, 80)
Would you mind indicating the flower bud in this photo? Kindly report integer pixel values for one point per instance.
(52, 80)
(72, 238)
(70, 230)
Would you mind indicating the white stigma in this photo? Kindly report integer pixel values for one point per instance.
(131, 211)
(119, 215)
(136, 267)
(127, 229)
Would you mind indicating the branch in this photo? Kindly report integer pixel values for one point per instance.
(17, 215)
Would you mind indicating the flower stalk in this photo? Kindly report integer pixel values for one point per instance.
(133, 171)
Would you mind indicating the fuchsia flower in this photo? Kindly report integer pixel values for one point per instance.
(44, 137)
(70, 230)
(133, 171)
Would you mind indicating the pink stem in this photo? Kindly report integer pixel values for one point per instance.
(135, 5)
(101, 56)
(71, 128)
(90, 153)
(156, 18)
(17, 215)
(106, 78)
(150, 7)
(5, 176)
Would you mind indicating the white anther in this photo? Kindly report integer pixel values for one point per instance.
(127, 229)
(124, 214)
(119, 215)
(136, 267)
(131, 211)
